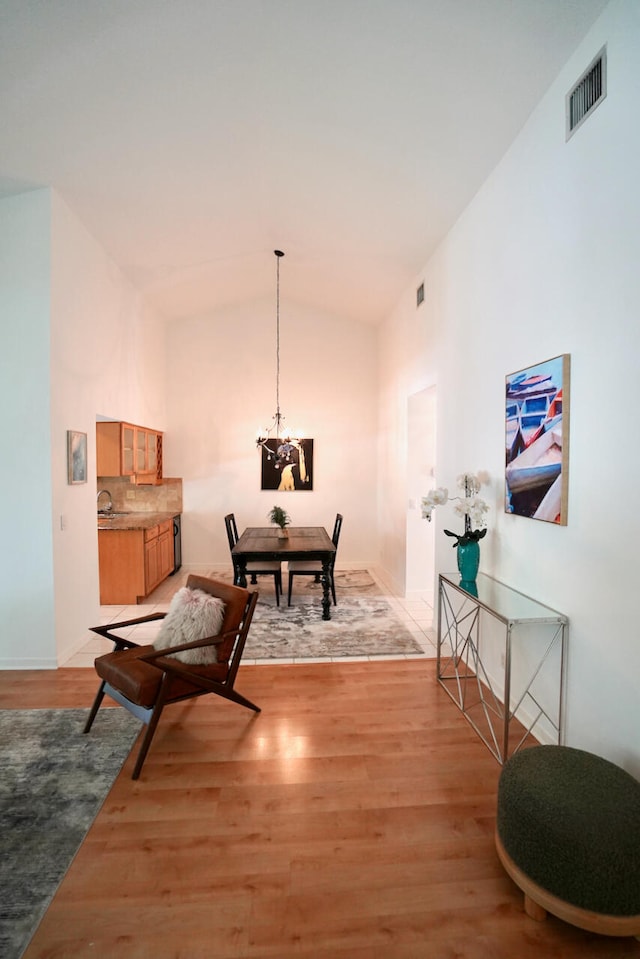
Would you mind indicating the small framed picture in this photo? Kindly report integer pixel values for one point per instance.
(76, 457)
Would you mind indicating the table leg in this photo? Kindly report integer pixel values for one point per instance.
(326, 593)
(241, 573)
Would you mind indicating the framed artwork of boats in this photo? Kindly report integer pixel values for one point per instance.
(537, 440)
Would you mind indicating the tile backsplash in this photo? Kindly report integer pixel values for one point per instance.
(129, 498)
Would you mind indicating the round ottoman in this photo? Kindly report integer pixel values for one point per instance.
(568, 834)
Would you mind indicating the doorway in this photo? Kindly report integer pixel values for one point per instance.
(421, 456)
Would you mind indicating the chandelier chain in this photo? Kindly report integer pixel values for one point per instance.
(277, 430)
(278, 337)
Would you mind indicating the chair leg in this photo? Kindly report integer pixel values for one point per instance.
(277, 578)
(155, 717)
(148, 736)
(333, 591)
(290, 588)
(153, 723)
(94, 709)
(241, 700)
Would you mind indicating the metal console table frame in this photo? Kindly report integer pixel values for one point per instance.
(462, 672)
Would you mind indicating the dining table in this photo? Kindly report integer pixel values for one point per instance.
(306, 543)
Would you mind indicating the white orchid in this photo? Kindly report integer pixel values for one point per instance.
(436, 497)
(471, 507)
(469, 482)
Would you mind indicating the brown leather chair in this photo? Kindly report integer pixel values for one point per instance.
(145, 680)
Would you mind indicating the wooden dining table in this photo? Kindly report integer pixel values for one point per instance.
(259, 543)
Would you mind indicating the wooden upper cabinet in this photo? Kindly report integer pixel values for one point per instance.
(123, 449)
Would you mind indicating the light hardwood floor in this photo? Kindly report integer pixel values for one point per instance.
(353, 818)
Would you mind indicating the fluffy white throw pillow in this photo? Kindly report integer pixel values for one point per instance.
(193, 614)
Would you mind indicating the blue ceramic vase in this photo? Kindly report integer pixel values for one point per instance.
(468, 560)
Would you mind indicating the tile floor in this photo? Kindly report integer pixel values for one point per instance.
(416, 615)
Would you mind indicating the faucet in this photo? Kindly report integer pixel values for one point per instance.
(109, 505)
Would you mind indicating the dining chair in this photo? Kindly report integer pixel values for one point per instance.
(266, 568)
(183, 662)
(314, 567)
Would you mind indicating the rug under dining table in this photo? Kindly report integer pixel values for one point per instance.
(362, 624)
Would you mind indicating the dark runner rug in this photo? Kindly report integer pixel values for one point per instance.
(53, 781)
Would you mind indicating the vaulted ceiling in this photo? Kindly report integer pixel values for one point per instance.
(194, 137)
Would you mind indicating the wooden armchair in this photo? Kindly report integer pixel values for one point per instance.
(144, 680)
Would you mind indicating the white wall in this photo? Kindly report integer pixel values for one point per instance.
(544, 262)
(77, 342)
(26, 566)
(222, 388)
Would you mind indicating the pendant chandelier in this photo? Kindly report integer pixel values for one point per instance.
(277, 440)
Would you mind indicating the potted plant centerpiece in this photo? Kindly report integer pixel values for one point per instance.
(279, 517)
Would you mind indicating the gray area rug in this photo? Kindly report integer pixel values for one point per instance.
(355, 581)
(362, 624)
(53, 781)
(359, 626)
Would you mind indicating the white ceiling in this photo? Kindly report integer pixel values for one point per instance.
(192, 137)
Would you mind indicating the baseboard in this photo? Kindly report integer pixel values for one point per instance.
(28, 664)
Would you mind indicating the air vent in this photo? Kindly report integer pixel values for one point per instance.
(587, 93)
(420, 294)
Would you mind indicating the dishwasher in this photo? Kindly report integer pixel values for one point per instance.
(177, 544)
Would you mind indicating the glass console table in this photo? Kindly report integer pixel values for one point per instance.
(501, 658)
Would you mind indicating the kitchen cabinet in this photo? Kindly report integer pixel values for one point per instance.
(158, 554)
(133, 562)
(123, 449)
(165, 549)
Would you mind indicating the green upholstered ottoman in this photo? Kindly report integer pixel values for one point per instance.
(568, 834)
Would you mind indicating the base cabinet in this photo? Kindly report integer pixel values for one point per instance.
(151, 563)
(133, 562)
(165, 549)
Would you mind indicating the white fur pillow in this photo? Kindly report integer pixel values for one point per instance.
(193, 614)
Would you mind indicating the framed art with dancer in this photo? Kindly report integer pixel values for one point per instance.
(287, 465)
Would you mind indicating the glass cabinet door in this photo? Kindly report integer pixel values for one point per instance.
(141, 451)
(152, 452)
(128, 462)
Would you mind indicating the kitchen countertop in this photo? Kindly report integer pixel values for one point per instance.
(134, 520)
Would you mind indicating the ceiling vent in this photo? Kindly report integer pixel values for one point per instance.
(587, 93)
(420, 294)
